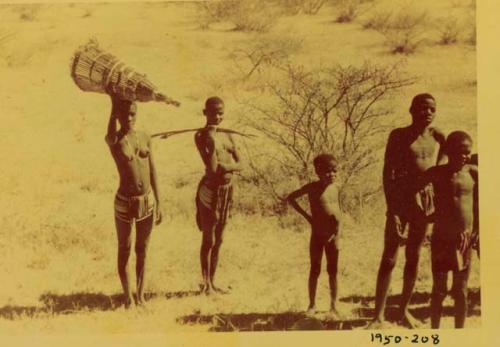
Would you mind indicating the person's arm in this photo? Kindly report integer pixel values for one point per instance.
(111, 134)
(390, 158)
(475, 206)
(292, 200)
(428, 176)
(440, 137)
(205, 143)
(154, 184)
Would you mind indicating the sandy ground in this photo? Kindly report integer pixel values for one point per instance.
(58, 179)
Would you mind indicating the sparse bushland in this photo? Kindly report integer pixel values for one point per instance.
(349, 10)
(337, 109)
(312, 7)
(377, 21)
(290, 7)
(252, 15)
(58, 230)
(450, 30)
(28, 13)
(404, 29)
(269, 51)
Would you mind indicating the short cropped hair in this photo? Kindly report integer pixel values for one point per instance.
(212, 101)
(456, 137)
(325, 162)
(417, 99)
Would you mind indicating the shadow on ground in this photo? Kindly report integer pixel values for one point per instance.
(79, 302)
(360, 316)
(474, 298)
(269, 322)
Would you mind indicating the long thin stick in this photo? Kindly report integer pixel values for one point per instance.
(167, 134)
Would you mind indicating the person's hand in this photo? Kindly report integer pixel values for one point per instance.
(475, 240)
(117, 100)
(158, 214)
(464, 241)
(429, 228)
(401, 231)
(335, 238)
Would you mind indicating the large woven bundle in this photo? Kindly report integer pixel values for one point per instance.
(95, 70)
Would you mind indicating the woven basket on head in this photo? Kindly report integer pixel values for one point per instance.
(95, 70)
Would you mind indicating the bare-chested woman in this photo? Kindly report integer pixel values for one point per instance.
(215, 191)
(409, 153)
(137, 198)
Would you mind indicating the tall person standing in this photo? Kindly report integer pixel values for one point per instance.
(410, 151)
(215, 190)
(137, 199)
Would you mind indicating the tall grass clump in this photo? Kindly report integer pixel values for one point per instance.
(348, 10)
(404, 30)
(378, 20)
(28, 13)
(312, 7)
(290, 7)
(449, 30)
(294, 7)
(253, 59)
(251, 15)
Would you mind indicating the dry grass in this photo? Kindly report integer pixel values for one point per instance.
(449, 30)
(246, 16)
(404, 29)
(349, 10)
(58, 178)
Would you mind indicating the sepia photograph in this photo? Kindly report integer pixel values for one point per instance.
(240, 166)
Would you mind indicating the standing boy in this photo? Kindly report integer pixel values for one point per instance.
(410, 152)
(215, 191)
(454, 185)
(325, 220)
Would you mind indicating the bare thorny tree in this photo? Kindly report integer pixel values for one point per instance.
(336, 109)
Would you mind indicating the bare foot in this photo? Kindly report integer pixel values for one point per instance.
(335, 315)
(409, 321)
(129, 303)
(205, 288)
(311, 310)
(141, 301)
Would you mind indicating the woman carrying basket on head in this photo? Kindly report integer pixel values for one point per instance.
(137, 199)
